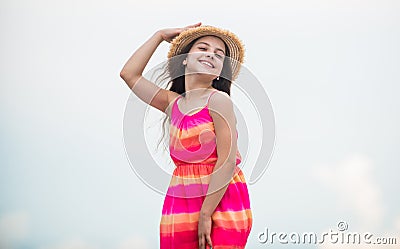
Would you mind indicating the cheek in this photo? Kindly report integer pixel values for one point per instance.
(219, 64)
(193, 58)
(192, 63)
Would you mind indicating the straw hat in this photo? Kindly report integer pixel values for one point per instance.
(234, 44)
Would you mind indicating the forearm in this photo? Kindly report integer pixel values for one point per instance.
(134, 67)
(221, 177)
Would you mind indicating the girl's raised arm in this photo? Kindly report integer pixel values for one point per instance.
(132, 71)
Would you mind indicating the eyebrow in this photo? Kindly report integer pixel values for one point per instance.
(216, 48)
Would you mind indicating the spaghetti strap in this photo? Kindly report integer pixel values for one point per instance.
(205, 107)
(209, 97)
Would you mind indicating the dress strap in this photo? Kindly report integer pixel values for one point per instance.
(176, 100)
(208, 100)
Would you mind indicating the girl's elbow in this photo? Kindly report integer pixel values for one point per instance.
(123, 74)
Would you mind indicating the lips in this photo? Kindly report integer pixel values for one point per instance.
(207, 63)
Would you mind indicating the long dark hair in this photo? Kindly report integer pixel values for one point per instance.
(175, 70)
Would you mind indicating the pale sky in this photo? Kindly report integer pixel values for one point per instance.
(330, 69)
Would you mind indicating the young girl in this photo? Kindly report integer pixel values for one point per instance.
(207, 203)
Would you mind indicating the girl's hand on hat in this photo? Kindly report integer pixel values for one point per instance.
(170, 33)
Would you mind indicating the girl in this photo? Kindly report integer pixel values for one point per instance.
(207, 203)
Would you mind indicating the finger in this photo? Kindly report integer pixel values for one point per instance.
(193, 25)
(208, 239)
(201, 242)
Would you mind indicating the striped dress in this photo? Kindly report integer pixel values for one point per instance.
(193, 151)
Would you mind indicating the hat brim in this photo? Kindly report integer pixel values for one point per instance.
(234, 44)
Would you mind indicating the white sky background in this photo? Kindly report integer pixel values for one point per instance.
(330, 69)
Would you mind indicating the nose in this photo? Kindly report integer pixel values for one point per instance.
(210, 55)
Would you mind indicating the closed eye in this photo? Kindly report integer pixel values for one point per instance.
(218, 55)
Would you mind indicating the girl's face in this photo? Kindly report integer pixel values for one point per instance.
(206, 57)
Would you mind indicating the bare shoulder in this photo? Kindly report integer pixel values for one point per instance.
(219, 101)
(172, 96)
(221, 105)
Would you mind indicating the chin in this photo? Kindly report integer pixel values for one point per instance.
(205, 76)
(205, 72)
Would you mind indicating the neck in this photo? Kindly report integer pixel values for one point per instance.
(196, 87)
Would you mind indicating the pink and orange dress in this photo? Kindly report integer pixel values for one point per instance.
(193, 151)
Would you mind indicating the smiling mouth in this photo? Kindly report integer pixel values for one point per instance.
(208, 64)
